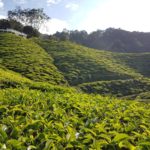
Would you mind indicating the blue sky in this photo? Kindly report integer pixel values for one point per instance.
(87, 15)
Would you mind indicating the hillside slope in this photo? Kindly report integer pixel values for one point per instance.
(11, 79)
(139, 62)
(25, 57)
(119, 88)
(80, 64)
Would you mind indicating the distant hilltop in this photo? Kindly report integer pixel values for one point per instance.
(115, 40)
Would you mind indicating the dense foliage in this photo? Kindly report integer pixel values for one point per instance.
(29, 17)
(4, 24)
(11, 24)
(30, 31)
(23, 56)
(11, 79)
(31, 119)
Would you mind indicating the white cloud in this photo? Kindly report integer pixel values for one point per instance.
(20, 2)
(2, 17)
(53, 25)
(72, 6)
(1, 4)
(126, 14)
(51, 2)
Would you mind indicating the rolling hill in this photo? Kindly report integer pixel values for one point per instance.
(27, 58)
(80, 64)
(101, 72)
(92, 71)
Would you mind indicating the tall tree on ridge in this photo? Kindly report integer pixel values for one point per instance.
(28, 17)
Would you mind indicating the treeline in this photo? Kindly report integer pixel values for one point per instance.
(116, 40)
(13, 24)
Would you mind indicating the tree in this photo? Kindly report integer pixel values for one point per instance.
(62, 35)
(16, 25)
(30, 31)
(28, 17)
(11, 24)
(4, 24)
(78, 36)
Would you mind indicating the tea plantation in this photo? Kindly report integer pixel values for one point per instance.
(29, 59)
(40, 110)
(31, 119)
(80, 64)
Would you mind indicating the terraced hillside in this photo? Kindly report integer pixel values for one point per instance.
(25, 57)
(11, 79)
(93, 71)
(119, 88)
(102, 72)
(140, 62)
(81, 64)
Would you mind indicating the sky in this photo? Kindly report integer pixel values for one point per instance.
(89, 15)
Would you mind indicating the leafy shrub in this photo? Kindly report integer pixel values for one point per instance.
(31, 119)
